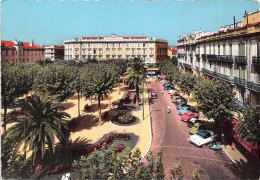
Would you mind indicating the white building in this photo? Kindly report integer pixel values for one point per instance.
(151, 50)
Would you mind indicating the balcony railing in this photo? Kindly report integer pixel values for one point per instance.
(241, 59)
(239, 81)
(204, 56)
(240, 104)
(255, 87)
(218, 75)
(256, 60)
(229, 58)
(187, 65)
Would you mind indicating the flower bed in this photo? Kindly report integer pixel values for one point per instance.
(54, 170)
(102, 144)
(124, 118)
(127, 98)
(120, 147)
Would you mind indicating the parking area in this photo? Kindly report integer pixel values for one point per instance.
(172, 135)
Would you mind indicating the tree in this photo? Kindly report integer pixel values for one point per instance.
(97, 80)
(215, 100)
(249, 125)
(42, 122)
(159, 165)
(195, 175)
(187, 82)
(10, 88)
(135, 74)
(56, 79)
(176, 171)
(110, 165)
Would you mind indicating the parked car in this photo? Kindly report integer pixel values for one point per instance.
(195, 128)
(174, 98)
(171, 91)
(215, 146)
(202, 137)
(153, 95)
(175, 94)
(170, 88)
(188, 115)
(180, 101)
(186, 109)
(192, 121)
(181, 104)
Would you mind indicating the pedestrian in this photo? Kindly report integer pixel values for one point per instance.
(162, 91)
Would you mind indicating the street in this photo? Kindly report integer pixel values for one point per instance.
(171, 134)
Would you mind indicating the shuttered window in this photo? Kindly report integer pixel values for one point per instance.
(241, 49)
(241, 72)
(230, 49)
(224, 50)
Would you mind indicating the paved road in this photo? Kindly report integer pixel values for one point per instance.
(171, 134)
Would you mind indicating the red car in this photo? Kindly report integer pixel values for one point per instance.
(188, 115)
(153, 95)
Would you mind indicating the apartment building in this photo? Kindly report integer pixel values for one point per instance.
(54, 52)
(232, 54)
(151, 50)
(14, 51)
(172, 52)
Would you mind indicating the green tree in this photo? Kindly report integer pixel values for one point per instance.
(215, 100)
(159, 165)
(10, 88)
(97, 80)
(135, 74)
(249, 125)
(187, 82)
(176, 171)
(37, 125)
(56, 79)
(195, 175)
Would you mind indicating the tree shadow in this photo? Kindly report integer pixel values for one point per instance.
(79, 142)
(94, 107)
(108, 115)
(68, 105)
(83, 122)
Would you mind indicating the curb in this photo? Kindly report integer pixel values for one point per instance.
(232, 160)
(151, 135)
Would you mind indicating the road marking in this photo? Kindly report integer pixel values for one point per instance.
(183, 147)
(198, 158)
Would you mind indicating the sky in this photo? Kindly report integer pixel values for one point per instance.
(53, 21)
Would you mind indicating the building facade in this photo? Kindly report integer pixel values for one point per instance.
(20, 52)
(151, 50)
(54, 52)
(172, 52)
(232, 54)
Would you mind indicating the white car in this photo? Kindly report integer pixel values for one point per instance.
(170, 91)
(202, 137)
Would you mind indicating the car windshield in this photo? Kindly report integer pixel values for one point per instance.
(203, 134)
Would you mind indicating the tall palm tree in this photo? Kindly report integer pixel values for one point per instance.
(135, 74)
(36, 125)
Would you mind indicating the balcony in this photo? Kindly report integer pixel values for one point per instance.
(256, 60)
(186, 65)
(239, 81)
(204, 56)
(229, 59)
(240, 59)
(253, 86)
(240, 104)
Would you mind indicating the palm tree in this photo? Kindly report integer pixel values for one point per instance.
(36, 125)
(135, 74)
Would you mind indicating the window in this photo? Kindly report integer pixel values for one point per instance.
(88, 44)
(230, 49)
(6, 52)
(241, 72)
(204, 50)
(224, 49)
(218, 49)
(209, 49)
(242, 49)
(133, 51)
(143, 44)
(144, 51)
(213, 49)
(27, 59)
(94, 51)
